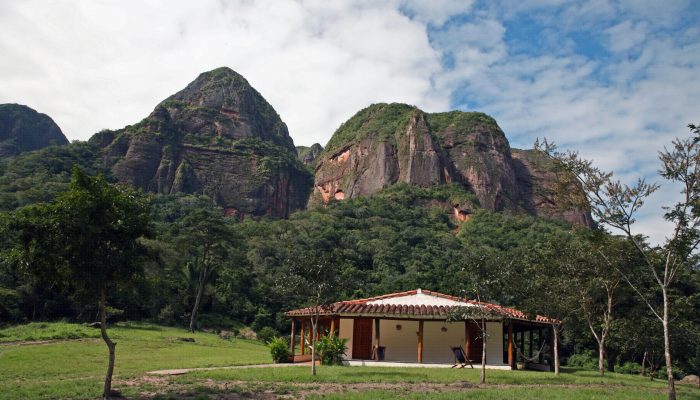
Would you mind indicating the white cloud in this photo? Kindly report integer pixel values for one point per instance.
(626, 35)
(435, 12)
(94, 65)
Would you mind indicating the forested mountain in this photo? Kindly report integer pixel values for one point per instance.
(389, 143)
(23, 129)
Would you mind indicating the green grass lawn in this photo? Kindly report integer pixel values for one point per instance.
(75, 368)
(571, 384)
(72, 365)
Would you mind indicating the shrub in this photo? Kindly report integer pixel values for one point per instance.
(279, 349)
(585, 360)
(629, 367)
(266, 334)
(331, 349)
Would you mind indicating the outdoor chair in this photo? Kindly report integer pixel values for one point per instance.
(460, 357)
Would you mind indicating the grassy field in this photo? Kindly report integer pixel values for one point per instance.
(75, 368)
(68, 361)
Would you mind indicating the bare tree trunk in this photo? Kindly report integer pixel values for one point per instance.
(555, 350)
(667, 349)
(601, 357)
(314, 329)
(644, 362)
(198, 300)
(110, 345)
(482, 376)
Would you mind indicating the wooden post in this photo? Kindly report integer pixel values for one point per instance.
(420, 342)
(291, 338)
(467, 340)
(551, 345)
(530, 350)
(376, 339)
(511, 362)
(302, 337)
(332, 326)
(540, 340)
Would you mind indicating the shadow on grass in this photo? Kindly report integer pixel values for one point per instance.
(138, 326)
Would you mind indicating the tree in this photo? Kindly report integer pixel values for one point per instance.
(597, 274)
(545, 285)
(616, 205)
(87, 239)
(206, 237)
(312, 275)
(479, 276)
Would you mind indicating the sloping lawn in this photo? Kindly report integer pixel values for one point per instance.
(68, 361)
(75, 368)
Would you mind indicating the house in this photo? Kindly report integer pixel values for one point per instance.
(412, 327)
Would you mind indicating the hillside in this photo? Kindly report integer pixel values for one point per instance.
(217, 137)
(23, 129)
(385, 144)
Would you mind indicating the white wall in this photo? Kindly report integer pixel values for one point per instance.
(345, 332)
(494, 343)
(436, 343)
(402, 345)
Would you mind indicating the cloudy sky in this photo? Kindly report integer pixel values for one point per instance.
(614, 79)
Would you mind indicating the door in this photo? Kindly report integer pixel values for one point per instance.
(362, 339)
(476, 342)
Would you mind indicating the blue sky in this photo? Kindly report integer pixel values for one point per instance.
(614, 79)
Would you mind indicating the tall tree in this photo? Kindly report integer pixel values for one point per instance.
(596, 271)
(207, 238)
(545, 286)
(313, 275)
(88, 239)
(616, 205)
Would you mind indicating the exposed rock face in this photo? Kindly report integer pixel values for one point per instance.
(218, 137)
(23, 129)
(309, 155)
(389, 143)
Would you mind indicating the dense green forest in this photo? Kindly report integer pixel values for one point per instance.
(402, 238)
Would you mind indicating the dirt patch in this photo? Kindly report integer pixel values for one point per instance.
(155, 386)
(150, 387)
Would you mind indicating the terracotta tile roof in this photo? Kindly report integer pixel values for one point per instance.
(362, 307)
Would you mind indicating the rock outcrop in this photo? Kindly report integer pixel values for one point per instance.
(217, 137)
(389, 143)
(309, 155)
(24, 129)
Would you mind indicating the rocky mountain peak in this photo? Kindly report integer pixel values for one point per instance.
(24, 129)
(219, 137)
(220, 105)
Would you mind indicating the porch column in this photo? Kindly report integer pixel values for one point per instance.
(467, 340)
(551, 345)
(332, 326)
(376, 339)
(420, 342)
(510, 344)
(530, 334)
(292, 338)
(302, 337)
